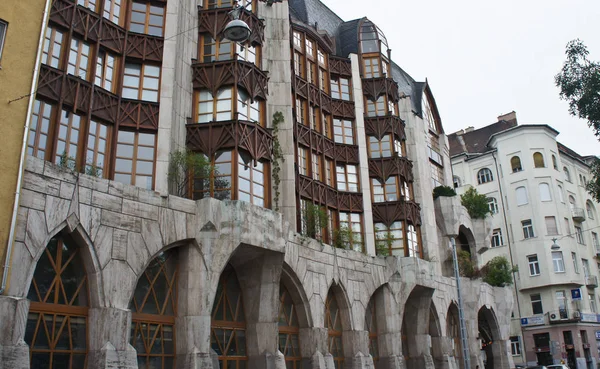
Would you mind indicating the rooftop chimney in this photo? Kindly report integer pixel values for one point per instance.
(509, 117)
(469, 129)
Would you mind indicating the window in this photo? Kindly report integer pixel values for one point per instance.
(497, 238)
(515, 346)
(3, 27)
(385, 192)
(343, 131)
(412, 241)
(300, 109)
(246, 109)
(90, 4)
(590, 209)
(456, 181)
(251, 181)
(303, 161)
(493, 204)
(515, 163)
(213, 50)
(567, 227)
(586, 267)
(383, 148)
(134, 162)
(545, 192)
(56, 329)
(298, 64)
(67, 139)
(560, 194)
(558, 262)
(551, 227)
(79, 59)
(484, 176)
(141, 81)
(391, 238)
(579, 235)
(329, 172)
(527, 228)
(105, 70)
(437, 175)
(567, 174)
(375, 108)
(536, 303)
(316, 167)
(592, 299)
(353, 223)
(575, 264)
(340, 88)
(534, 266)
(153, 311)
(298, 39)
(147, 18)
(112, 10)
(371, 67)
(216, 108)
(572, 202)
(561, 301)
(538, 160)
(216, 182)
(52, 47)
(347, 177)
(289, 329)
(38, 130)
(97, 148)
(521, 193)
(333, 322)
(595, 241)
(554, 163)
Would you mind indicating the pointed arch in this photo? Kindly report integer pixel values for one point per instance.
(289, 329)
(337, 320)
(453, 331)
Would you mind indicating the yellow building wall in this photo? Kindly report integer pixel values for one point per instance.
(24, 19)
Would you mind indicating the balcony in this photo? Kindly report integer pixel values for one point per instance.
(591, 281)
(578, 214)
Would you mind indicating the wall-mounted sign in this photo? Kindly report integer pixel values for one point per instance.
(587, 317)
(576, 294)
(532, 320)
(598, 335)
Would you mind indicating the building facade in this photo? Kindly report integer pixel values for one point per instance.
(302, 234)
(545, 222)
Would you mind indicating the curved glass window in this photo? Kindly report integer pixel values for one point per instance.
(153, 312)
(333, 323)
(56, 329)
(289, 330)
(228, 324)
(515, 164)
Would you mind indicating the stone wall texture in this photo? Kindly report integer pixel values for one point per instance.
(120, 229)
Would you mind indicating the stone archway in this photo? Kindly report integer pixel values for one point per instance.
(416, 341)
(453, 335)
(489, 337)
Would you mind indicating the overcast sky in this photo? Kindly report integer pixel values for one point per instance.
(485, 58)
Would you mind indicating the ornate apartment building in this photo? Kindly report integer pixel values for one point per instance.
(546, 223)
(111, 264)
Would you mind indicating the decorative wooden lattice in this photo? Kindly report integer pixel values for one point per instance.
(381, 126)
(320, 193)
(384, 168)
(213, 76)
(391, 211)
(288, 329)
(228, 325)
(57, 324)
(154, 308)
(375, 87)
(340, 66)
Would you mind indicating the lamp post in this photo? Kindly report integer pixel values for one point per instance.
(554, 246)
(237, 30)
(461, 317)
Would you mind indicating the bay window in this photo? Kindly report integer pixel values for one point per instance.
(141, 82)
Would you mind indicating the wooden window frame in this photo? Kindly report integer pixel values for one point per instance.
(215, 161)
(91, 165)
(148, 13)
(143, 81)
(376, 108)
(344, 178)
(65, 125)
(89, 4)
(351, 221)
(106, 62)
(338, 93)
(303, 161)
(134, 158)
(79, 67)
(290, 328)
(388, 191)
(110, 13)
(334, 335)
(345, 128)
(316, 164)
(41, 110)
(391, 238)
(253, 170)
(369, 70)
(376, 147)
(53, 47)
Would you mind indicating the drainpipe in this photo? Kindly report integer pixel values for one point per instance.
(509, 245)
(13, 222)
(461, 316)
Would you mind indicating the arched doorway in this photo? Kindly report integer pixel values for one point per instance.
(289, 329)
(489, 335)
(57, 323)
(153, 312)
(453, 334)
(416, 329)
(228, 324)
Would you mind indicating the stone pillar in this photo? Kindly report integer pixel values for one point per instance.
(419, 351)
(500, 355)
(356, 350)
(109, 330)
(14, 352)
(193, 335)
(313, 348)
(441, 352)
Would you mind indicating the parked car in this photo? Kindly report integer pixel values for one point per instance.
(537, 367)
(557, 366)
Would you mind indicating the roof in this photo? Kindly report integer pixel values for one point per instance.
(475, 141)
(569, 152)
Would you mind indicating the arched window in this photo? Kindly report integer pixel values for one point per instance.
(56, 329)
(493, 204)
(567, 174)
(228, 324)
(521, 193)
(484, 176)
(453, 331)
(456, 181)
(371, 327)
(554, 163)
(289, 329)
(545, 192)
(538, 160)
(153, 312)
(590, 209)
(515, 164)
(560, 194)
(572, 202)
(333, 323)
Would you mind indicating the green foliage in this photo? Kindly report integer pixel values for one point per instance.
(184, 165)
(579, 83)
(314, 220)
(384, 243)
(342, 237)
(445, 191)
(476, 204)
(277, 158)
(66, 162)
(497, 272)
(466, 267)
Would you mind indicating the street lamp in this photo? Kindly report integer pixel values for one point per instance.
(554, 246)
(236, 30)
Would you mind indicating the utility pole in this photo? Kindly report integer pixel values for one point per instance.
(461, 316)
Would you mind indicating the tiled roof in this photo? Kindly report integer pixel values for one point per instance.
(475, 142)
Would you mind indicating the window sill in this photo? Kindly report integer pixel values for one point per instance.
(563, 272)
(535, 275)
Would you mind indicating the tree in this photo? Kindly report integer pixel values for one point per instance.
(579, 83)
(497, 272)
(476, 204)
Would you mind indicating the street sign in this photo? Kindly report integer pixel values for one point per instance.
(576, 294)
(532, 320)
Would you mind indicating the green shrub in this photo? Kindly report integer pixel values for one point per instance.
(445, 191)
(466, 268)
(497, 272)
(476, 204)
(314, 220)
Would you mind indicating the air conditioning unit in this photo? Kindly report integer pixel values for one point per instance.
(576, 315)
(554, 317)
